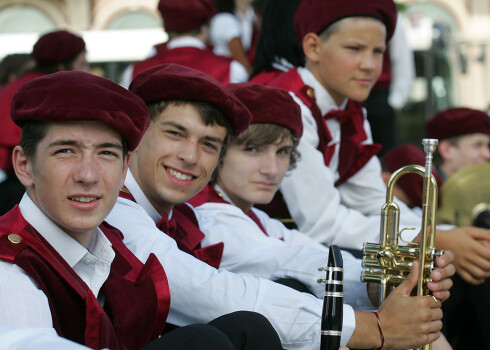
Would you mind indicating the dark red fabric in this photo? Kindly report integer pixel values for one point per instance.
(173, 81)
(270, 105)
(203, 60)
(10, 133)
(209, 194)
(185, 15)
(57, 47)
(137, 296)
(183, 227)
(411, 184)
(265, 77)
(352, 154)
(457, 121)
(74, 96)
(312, 16)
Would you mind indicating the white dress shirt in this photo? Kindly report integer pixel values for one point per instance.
(22, 303)
(348, 215)
(238, 73)
(284, 253)
(200, 293)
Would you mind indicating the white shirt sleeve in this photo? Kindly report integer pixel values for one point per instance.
(346, 216)
(238, 73)
(34, 339)
(22, 303)
(248, 250)
(201, 293)
(222, 28)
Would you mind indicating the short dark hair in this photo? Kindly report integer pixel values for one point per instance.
(277, 38)
(265, 134)
(34, 131)
(210, 115)
(437, 158)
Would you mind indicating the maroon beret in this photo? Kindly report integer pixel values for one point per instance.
(75, 96)
(411, 184)
(269, 105)
(184, 15)
(175, 82)
(57, 47)
(312, 16)
(457, 121)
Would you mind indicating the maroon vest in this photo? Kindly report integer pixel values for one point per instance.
(202, 60)
(137, 296)
(184, 229)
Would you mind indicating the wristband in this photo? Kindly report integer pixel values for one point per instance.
(380, 331)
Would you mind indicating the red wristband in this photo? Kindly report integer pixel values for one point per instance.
(380, 331)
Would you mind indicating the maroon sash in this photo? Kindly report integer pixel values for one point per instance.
(184, 229)
(209, 194)
(352, 154)
(137, 297)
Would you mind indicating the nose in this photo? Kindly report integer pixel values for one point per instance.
(86, 171)
(188, 152)
(369, 61)
(269, 165)
(486, 153)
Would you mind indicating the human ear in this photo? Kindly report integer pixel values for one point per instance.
(445, 149)
(311, 44)
(22, 166)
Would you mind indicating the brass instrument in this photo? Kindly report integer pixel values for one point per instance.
(387, 263)
(465, 197)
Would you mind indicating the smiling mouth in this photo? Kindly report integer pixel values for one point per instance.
(178, 175)
(84, 199)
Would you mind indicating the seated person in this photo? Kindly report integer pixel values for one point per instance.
(59, 260)
(190, 125)
(464, 139)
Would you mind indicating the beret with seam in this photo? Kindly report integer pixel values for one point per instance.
(79, 96)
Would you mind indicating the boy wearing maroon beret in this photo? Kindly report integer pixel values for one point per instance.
(54, 51)
(186, 23)
(464, 138)
(67, 268)
(336, 191)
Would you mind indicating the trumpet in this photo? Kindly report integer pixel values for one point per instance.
(388, 263)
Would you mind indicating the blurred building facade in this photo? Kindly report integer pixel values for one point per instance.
(450, 38)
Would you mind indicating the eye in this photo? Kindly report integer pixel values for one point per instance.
(251, 149)
(353, 48)
(285, 150)
(63, 151)
(110, 154)
(211, 146)
(173, 133)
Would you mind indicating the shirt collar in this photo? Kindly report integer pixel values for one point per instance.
(323, 98)
(186, 41)
(65, 245)
(140, 197)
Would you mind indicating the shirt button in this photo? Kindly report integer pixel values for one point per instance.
(87, 261)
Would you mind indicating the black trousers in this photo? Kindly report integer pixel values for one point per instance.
(382, 119)
(235, 331)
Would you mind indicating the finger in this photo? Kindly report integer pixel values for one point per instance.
(442, 296)
(440, 286)
(433, 337)
(474, 270)
(478, 233)
(469, 278)
(443, 272)
(406, 287)
(435, 304)
(445, 259)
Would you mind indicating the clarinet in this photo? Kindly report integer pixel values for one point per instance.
(333, 300)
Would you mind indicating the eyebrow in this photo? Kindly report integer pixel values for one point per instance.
(182, 128)
(75, 143)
